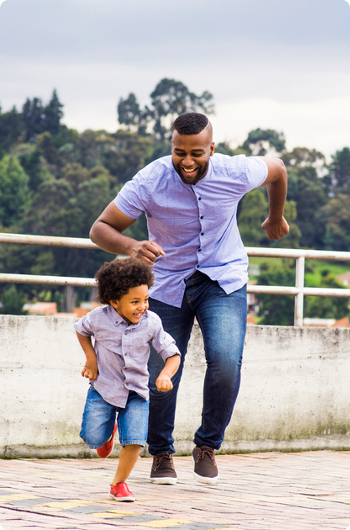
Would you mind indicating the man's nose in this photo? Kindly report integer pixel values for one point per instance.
(188, 160)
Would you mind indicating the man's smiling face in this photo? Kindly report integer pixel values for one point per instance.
(191, 153)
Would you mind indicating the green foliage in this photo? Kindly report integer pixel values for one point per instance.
(302, 157)
(306, 190)
(38, 118)
(225, 149)
(56, 181)
(324, 307)
(276, 310)
(252, 213)
(261, 142)
(14, 191)
(337, 222)
(338, 180)
(169, 99)
(11, 127)
(12, 302)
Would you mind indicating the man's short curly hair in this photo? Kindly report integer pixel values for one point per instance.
(115, 278)
(190, 123)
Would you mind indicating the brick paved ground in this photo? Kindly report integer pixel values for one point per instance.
(267, 491)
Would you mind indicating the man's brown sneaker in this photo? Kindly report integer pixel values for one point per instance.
(163, 471)
(205, 468)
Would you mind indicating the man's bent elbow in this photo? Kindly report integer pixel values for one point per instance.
(95, 232)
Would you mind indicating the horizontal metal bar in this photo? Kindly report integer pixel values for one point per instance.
(328, 255)
(47, 241)
(317, 291)
(80, 242)
(90, 282)
(47, 280)
(272, 289)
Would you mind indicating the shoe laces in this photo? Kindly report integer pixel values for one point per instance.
(160, 458)
(205, 451)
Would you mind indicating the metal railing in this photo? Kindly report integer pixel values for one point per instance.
(299, 291)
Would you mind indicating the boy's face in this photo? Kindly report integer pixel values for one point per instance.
(132, 305)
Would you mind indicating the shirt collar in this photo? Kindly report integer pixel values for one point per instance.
(118, 319)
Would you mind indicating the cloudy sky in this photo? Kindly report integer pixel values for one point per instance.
(281, 64)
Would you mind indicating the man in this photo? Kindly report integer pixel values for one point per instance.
(190, 200)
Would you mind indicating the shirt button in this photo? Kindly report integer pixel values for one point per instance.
(199, 198)
(202, 233)
(201, 217)
(199, 249)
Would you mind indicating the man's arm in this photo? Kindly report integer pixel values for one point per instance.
(275, 225)
(107, 233)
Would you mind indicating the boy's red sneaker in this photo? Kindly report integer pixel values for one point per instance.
(121, 492)
(107, 447)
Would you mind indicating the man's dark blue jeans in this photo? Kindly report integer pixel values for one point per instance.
(222, 319)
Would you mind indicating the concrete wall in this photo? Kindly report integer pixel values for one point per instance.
(295, 390)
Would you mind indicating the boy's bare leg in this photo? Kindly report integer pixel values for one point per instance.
(127, 459)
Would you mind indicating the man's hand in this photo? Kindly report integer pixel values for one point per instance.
(163, 383)
(147, 251)
(275, 229)
(90, 371)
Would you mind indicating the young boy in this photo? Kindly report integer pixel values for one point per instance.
(117, 364)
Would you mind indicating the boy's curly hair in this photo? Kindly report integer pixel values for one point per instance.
(115, 278)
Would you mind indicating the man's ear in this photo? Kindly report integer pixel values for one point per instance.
(212, 148)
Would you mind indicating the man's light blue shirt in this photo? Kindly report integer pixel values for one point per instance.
(195, 225)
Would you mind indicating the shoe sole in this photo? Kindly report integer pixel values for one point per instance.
(164, 480)
(127, 499)
(206, 480)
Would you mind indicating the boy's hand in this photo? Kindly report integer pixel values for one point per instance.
(163, 383)
(90, 371)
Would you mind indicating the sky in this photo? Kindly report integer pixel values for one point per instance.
(278, 64)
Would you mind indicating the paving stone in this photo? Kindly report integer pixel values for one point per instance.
(267, 491)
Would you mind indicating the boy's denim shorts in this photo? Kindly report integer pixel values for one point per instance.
(99, 419)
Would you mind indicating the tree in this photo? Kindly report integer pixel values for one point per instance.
(14, 191)
(131, 115)
(337, 223)
(38, 119)
(306, 189)
(53, 114)
(302, 156)
(252, 213)
(11, 128)
(261, 142)
(338, 180)
(169, 99)
(13, 301)
(225, 149)
(32, 160)
(34, 118)
(276, 310)
(326, 307)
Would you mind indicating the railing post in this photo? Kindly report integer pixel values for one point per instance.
(299, 298)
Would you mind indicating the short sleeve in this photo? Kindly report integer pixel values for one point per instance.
(256, 172)
(129, 200)
(84, 327)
